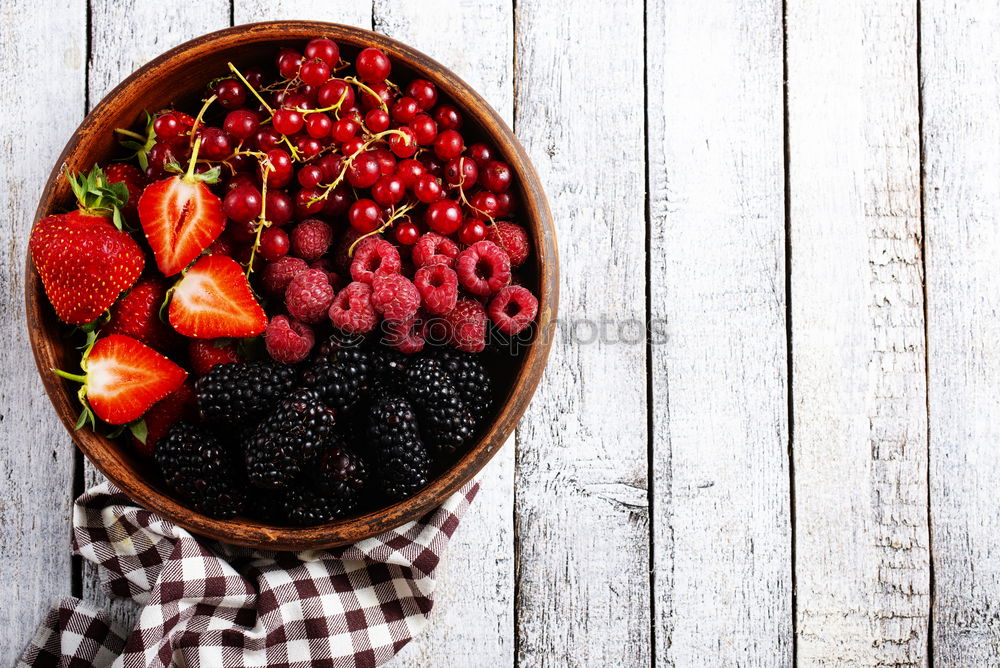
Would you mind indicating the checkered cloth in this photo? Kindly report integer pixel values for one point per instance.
(211, 604)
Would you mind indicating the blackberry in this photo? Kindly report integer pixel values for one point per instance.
(340, 375)
(427, 382)
(403, 461)
(237, 393)
(198, 467)
(388, 370)
(329, 492)
(469, 376)
(447, 424)
(291, 436)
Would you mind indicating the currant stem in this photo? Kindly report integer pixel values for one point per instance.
(397, 214)
(350, 159)
(262, 221)
(356, 82)
(129, 133)
(252, 89)
(201, 113)
(189, 174)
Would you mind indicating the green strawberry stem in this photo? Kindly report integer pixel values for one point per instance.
(86, 415)
(95, 196)
(70, 376)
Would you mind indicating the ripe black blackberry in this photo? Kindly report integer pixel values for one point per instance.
(240, 392)
(340, 375)
(403, 461)
(388, 369)
(427, 382)
(447, 424)
(288, 438)
(199, 468)
(329, 491)
(469, 375)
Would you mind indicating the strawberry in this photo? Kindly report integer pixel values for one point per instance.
(121, 379)
(214, 300)
(206, 353)
(134, 180)
(178, 405)
(181, 217)
(83, 258)
(137, 314)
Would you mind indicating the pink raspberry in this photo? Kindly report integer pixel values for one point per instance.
(513, 309)
(326, 266)
(309, 295)
(512, 239)
(432, 248)
(438, 286)
(395, 297)
(378, 258)
(288, 341)
(406, 336)
(278, 274)
(341, 260)
(311, 238)
(466, 325)
(483, 268)
(352, 310)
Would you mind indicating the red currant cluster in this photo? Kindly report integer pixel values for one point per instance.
(357, 196)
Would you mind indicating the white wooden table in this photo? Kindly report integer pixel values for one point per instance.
(800, 466)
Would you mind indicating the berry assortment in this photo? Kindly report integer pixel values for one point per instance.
(290, 292)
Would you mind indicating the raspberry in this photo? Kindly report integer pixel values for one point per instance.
(206, 353)
(352, 309)
(466, 325)
(432, 248)
(288, 341)
(513, 309)
(483, 268)
(311, 238)
(438, 286)
(395, 297)
(341, 260)
(406, 336)
(308, 296)
(278, 274)
(332, 276)
(512, 239)
(378, 258)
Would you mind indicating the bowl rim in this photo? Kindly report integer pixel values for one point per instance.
(105, 454)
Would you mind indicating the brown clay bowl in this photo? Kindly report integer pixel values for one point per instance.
(180, 75)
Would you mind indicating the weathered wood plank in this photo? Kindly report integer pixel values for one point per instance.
(473, 622)
(581, 511)
(126, 35)
(961, 130)
(350, 12)
(38, 78)
(721, 524)
(858, 349)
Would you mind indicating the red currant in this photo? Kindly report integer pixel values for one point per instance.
(409, 170)
(337, 202)
(496, 176)
(281, 168)
(324, 49)
(331, 93)
(373, 66)
(364, 215)
(254, 77)
(363, 171)
(308, 146)
(318, 126)
(424, 92)
(298, 99)
(216, 144)
(331, 164)
(266, 139)
(352, 146)
(424, 128)
(244, 179)
(305, 205)
(287, 121)
(427, 189)
(388, 190)
(289, 61)
(481, 153)
(444, 216)
(314, 72)
(344, 129)
(167, 125)
(242, 204)
(472, 231)
(386, 161)
(231, 93)
(382, 96)
(448, 117)
(241, 123)
(448, 145)
(403, 146)
(461, 172)
(404, 110)
(377, 120)
(273, 243)
(432, 164)
(278, 207)
(485, 205)
(310, 176)
(505, 204)
(407, 233)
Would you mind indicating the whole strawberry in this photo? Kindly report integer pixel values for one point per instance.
(83, 258)
(134, 180)
(137, 314)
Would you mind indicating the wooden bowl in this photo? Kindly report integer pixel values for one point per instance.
(180, 74)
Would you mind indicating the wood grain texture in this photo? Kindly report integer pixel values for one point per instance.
(116, 53)
(961, 125)
(722, 551)
(859, 384)
(36, 456)
(473, 622)
(581, 511)
(356, 13)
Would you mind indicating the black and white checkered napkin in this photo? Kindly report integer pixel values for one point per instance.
(211, 604)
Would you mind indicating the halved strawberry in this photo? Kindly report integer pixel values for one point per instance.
(214, 300)
(122, 378)
(137, 314)
(180, 404)
(181, 217)
(83, 258)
